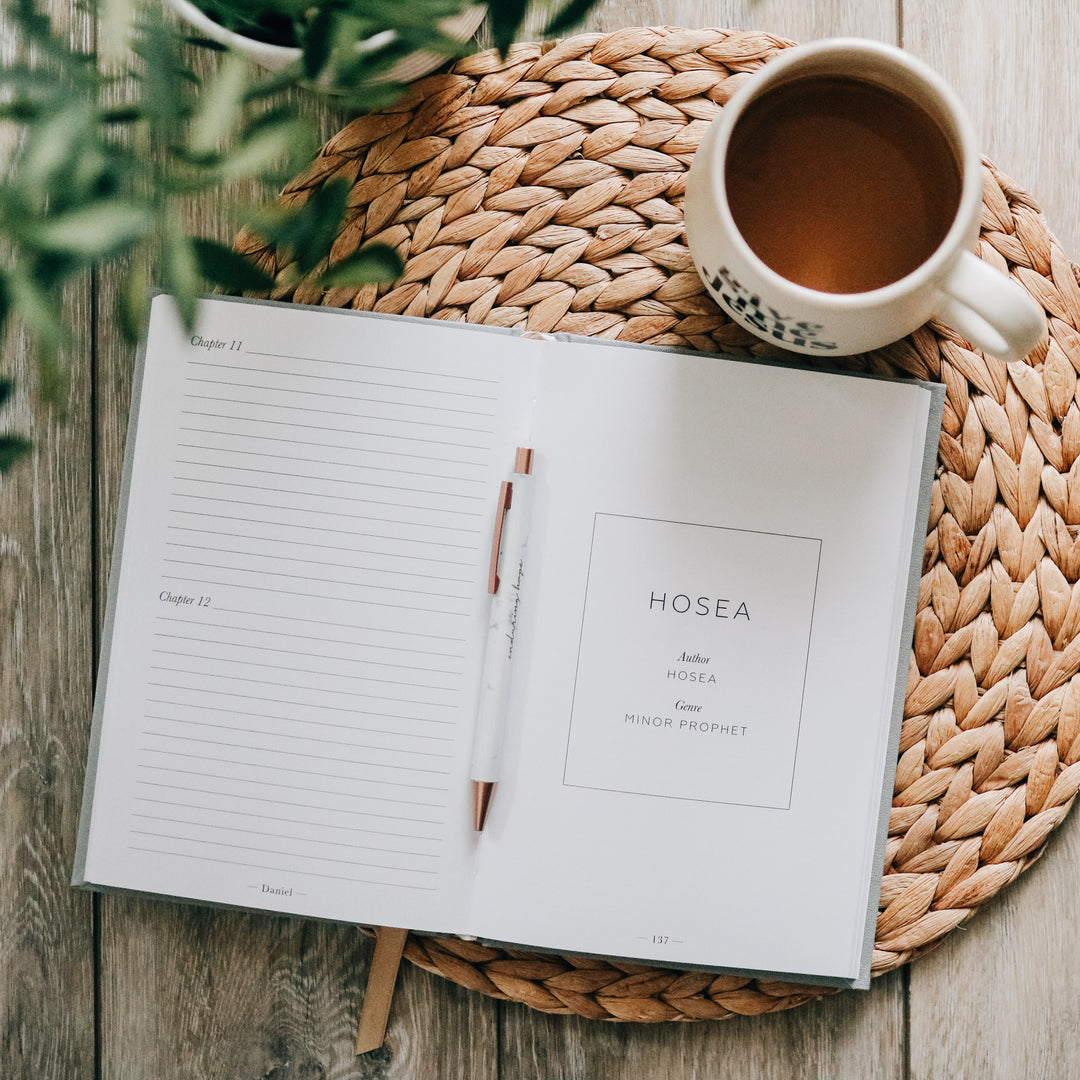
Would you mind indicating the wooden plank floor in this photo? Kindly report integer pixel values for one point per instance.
(126, 989)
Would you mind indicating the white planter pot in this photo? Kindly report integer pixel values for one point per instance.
(277, 57)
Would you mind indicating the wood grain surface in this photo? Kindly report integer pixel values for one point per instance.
(128, 989)
(47, 654)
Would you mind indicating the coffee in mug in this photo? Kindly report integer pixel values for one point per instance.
(833, 205)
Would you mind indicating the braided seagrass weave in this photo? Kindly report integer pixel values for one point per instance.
(544, 191)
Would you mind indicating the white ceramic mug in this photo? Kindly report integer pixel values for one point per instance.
(278, 57)
(952, 284)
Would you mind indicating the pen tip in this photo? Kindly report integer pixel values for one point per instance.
(482, 792)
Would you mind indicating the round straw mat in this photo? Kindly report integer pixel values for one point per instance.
(544, 191)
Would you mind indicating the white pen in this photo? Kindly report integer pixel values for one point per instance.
(504, 583)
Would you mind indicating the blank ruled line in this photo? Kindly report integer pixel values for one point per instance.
(305, 855)
(292, 424)
(430, 527)
(293, 771)
(338, 396)
(412, 684)
(285, 836)
(301, 652)
(310, 637)
(335, 480)
(293, 754)
(315, 757)
(320, 580)
(284, 854)
(280, 869)
(381, 799)
(321, 547)
(191, 580)
(284, 802)
(315, 689)
(326, 461)
(373, 367)
(262, 732)
(340, 412)
(457, 640)
(339, 378)
(260, 816)
(322, 444)
(263, 715)
(423, 770)
(351, 711)
(323, 562)
(323, 496)
(296, 787)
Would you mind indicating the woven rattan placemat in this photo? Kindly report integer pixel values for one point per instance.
(544, 191)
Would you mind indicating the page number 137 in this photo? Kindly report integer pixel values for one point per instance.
(660, 939)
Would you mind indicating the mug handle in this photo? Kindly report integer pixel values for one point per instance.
(991, 311)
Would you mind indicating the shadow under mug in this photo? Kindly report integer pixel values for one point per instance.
(951, 283)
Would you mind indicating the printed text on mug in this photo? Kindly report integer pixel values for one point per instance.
(747, 308)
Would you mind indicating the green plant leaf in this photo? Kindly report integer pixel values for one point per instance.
(103, 154)
(38, 85)
(131, 302)
(12, 447)
(218, 105)
(206, 43)
(181, 274)
(96, 230)
(271, 86)
(122, 114)
(266, 147)
(223, 266)
(114, 28)
(30, 300)
(374, 264)
(506, 16)
(370, 97)
(37, 307)
(164, 82)
(52, 144)
(52, 377)
(569, 17)
(326, 211)
(309, 230)
(317, 41)
(34, 25)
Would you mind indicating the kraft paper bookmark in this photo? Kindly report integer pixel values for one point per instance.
(389, 945)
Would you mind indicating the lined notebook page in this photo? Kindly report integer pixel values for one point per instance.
(288, 705)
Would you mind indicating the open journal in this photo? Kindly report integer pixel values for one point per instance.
(709, 645)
